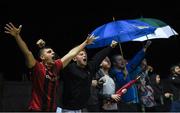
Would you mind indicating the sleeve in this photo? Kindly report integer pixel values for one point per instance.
(99, 57)
(35, 68)
(137, 72)
(98, 78)
(59, 65)
(135, 61)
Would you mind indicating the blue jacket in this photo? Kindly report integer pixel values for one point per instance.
(131, 95)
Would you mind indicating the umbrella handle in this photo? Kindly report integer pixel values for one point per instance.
(121, 49)
(124, 70)
(147, 37)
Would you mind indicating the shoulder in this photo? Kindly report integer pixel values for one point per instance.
(37, 68)
(58, 63)
(37, 65)
(70, 66)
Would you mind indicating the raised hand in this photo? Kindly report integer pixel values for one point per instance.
(148, 43)
(113, 44)
(12, 30)
(149, 68)
(90, 39)
(40, 43)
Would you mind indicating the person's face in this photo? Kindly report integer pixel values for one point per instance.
(144, 64)
(81, 58)
(120, 62)
(177, 70)
(47, 55)
(106, 64)
(158, 79)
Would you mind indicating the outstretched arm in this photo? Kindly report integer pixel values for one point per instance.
(72, 53)
(15, 32)
(136, 60)
(99, 57)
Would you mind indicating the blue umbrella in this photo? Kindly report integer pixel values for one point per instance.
(120, 31)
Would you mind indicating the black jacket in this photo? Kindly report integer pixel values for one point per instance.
(175, 81)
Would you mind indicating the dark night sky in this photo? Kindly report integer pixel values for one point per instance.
(64, 25)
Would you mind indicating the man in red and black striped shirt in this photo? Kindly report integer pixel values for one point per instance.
(44, 73)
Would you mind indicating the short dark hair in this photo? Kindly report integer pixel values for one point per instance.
(113, 58)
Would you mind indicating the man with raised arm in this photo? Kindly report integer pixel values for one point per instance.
(77, 79)
(44, 73)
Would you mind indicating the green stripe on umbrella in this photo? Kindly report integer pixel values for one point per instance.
(153, 22)
(163, 30)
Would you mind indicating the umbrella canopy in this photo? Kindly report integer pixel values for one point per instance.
(162, 30)
(121, 31)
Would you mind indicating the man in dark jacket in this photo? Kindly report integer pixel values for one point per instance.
(78, 77)
(175, 80)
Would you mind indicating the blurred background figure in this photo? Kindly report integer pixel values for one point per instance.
(175, 80)
(162, 94)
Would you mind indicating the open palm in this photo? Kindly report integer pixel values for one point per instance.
(90, 39)
(12, 30)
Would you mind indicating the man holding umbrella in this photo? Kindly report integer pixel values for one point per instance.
(123, 74)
